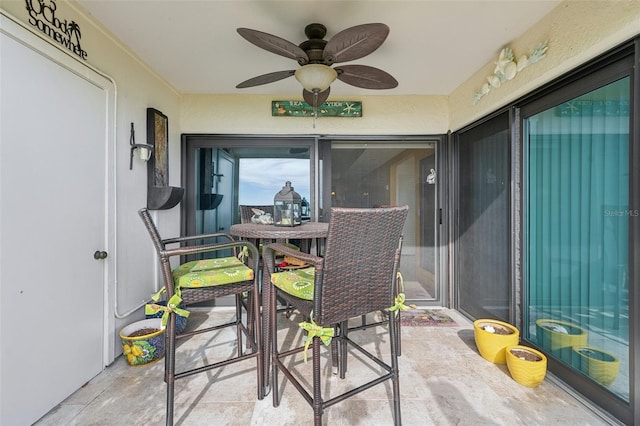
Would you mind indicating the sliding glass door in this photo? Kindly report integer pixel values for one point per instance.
(576, 245)
(546, 226)
(373, 173)
(220, 173)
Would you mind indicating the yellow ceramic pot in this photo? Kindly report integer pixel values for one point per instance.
(601, 366)
(527, 366)
(492, 337)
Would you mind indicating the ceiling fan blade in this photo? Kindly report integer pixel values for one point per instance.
(274, 44)
(354, 43)
(309, 97)
(265, 79)
(366, 77)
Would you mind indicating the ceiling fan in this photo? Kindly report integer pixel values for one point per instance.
(316, 56)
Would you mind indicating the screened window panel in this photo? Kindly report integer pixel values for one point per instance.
(484, 221)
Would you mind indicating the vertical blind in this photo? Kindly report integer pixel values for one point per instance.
(577, 219)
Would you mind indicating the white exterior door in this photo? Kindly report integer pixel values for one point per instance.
(54, 140)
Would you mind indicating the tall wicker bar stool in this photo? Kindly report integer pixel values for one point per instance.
(356, 276)
(204, 280)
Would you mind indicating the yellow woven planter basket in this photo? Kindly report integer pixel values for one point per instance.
(527, 366)
(492, 337)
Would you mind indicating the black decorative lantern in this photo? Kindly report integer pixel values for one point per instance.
(306, 209)
(287, 207)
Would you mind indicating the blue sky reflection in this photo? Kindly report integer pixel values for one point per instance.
(261, 178)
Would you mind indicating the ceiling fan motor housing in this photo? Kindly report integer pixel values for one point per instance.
(314, 47)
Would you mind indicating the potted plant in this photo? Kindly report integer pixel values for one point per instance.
(143, 341)
(596, 363)
(527, 366)
(492, 337)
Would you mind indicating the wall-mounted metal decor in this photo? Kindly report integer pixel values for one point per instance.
(158, 137)
(43, 16)
(327, 109)
(160, 196)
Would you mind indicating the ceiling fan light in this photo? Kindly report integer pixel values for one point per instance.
(316, 77)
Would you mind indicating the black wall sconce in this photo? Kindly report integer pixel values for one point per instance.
(142, 150)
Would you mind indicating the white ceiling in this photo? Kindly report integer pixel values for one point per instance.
(433, 45)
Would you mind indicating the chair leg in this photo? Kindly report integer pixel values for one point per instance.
(344, 330)
(336, 362)
(253, 299)
(318, 406)
(250, 318)
(239, 333)
(394, 340)
(170, 365)
(398, 331)
(273, 336)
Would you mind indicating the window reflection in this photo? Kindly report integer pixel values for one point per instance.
(378, 174)
(578, 234)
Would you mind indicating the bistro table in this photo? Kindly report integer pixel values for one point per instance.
(255, 232)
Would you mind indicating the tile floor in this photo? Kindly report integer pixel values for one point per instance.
(443, 381)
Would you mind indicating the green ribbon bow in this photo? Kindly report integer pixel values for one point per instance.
(324, 333)
(399, 304)
(399, 299)
(156, 296)
(244, 253)
(172, 306)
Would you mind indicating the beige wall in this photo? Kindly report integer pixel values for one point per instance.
(381, 115)
(576, 31)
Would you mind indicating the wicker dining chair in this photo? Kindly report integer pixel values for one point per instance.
(204, 280)
(356, 276)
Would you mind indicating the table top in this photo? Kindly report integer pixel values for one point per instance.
(305, 230)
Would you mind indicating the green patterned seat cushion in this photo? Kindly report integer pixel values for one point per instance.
(205, 265)
(211, 272)
(298, 283)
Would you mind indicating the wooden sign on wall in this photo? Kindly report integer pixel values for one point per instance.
(327, 109)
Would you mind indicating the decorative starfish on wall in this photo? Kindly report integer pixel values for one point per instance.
(507, 68)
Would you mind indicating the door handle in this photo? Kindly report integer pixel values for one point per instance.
(98, 255)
